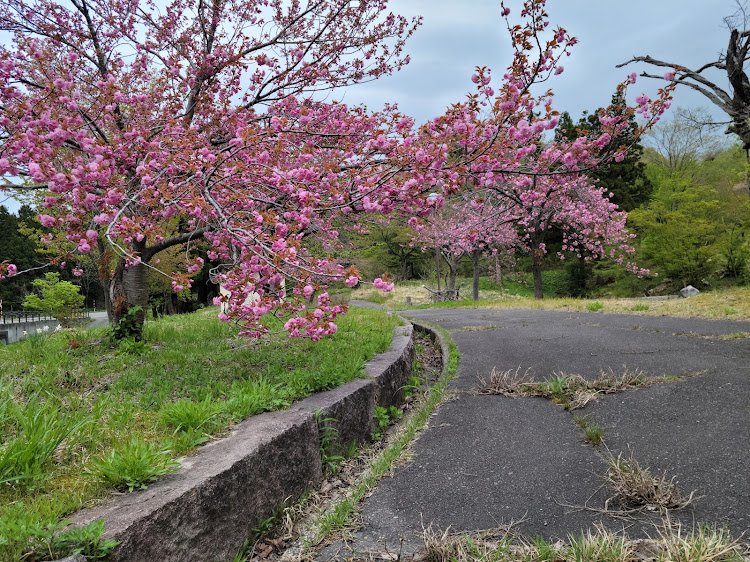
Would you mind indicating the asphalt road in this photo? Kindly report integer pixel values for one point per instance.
(491, 460)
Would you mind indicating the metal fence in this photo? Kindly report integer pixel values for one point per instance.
(23, 316)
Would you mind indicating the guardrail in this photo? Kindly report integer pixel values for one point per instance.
(24, 316)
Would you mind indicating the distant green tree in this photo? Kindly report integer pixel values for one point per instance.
(59, 299)
(679, 232)
(19, 249)
(387, 247)
(693, 230)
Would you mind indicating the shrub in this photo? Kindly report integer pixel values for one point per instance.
(60, 299)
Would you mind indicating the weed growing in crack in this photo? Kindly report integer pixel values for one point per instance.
(593, 431)
(609, 381)
(595, 545)
(636, 488)
(734, 336)
(601, 545)
(507, 383)
(571, 391)
(555, 386)
(462, 547)
(543, 551)
(479, 328)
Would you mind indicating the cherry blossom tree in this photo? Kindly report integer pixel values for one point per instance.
(151, 126)
(147, 126)
(468, 224)
(503, 140)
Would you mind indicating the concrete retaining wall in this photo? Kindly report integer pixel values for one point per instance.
(206, 510)
(11, 333)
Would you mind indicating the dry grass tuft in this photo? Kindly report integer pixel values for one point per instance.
(706, 544)
(507, 383)
(609, 381)
(494, 544)
(637, 489)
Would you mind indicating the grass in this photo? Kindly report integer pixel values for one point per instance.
(731, 304)
(636, 488)
(592, 430)
(571, 391)
(706, 544)
(81, 417)
(519, 286)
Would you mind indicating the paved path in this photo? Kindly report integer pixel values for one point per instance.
(489, 460)
(98, 320)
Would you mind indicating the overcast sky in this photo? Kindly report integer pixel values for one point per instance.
(458, 35)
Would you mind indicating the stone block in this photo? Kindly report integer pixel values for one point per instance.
(208, 509)
(390, 370)
(349, 410)
(689, 291)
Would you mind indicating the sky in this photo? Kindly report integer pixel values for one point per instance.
(458, 35)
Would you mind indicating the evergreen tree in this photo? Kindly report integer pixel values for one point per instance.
(20, 250)
(626, 180)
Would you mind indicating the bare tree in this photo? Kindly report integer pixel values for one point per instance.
(684, 140)
(734, 100)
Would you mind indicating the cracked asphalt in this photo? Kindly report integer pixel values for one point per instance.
(486, 461)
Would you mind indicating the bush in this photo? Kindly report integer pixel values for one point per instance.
(60, 299)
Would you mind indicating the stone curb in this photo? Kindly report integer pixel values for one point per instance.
(445, 351)
(207, 509)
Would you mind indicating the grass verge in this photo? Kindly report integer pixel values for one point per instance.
(731, 304)
(81, 417)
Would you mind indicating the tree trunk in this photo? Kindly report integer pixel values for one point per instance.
(169, 305)
(437, 267)
(498, 271)
(476, 258)
(127, 289)
(404, 268)
(536, 264)
(107, 302)
(452, 262)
